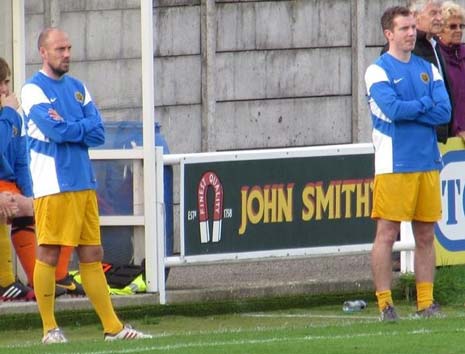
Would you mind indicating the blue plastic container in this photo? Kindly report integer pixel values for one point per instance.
(115, 189)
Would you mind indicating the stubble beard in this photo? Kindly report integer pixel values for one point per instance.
(60, 71)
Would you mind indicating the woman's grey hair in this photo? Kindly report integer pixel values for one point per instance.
(417, 6)
(451, 9)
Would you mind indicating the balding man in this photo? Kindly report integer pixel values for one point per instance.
(63, 122)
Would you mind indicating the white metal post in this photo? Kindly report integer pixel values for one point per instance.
(18, 67)
(148, 112)
(19, 56)
(407, 257)
(161, 217)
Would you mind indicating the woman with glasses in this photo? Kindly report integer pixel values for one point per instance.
(453, 52)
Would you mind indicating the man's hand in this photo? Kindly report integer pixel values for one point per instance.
(8, 205)
(54, 115)
(25, 205)
(9, 101)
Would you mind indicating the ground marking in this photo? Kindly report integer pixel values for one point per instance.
(261, 341)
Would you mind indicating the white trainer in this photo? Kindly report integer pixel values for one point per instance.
(54, 336)
(127, 333)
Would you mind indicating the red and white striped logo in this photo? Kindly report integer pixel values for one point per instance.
(210, 180)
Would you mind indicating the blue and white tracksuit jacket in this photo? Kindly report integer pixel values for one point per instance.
(59, 158)
(407, 101)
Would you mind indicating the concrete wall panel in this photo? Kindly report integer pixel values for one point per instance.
(35, 24)
(34, 7)
(283, 24)
(177, 80)
(170, 3)
(280, 123)
(178, 31)
(187, 139)
(121, 114)
(374, 9)
(88, 5)
(283, 73)
(75, 24)
(122, 38)
(112, 84)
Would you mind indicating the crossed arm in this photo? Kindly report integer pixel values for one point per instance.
(86, 129)
(432, 109)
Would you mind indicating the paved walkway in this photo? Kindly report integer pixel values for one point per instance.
(200, 283)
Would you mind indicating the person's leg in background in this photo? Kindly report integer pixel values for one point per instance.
(10, 289)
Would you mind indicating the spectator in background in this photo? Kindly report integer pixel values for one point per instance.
(428, 18)
(8, 121)
(453, 52)
(63, 122)
(407, 100)
(16, 180)
(14, 174)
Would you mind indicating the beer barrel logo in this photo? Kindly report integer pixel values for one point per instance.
(210, 180)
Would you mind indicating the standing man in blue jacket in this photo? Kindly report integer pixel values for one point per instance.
(63, 122)
(407, 100)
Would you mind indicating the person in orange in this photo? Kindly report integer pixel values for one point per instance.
(15, 182)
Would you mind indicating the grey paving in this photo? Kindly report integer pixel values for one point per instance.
(200, 283)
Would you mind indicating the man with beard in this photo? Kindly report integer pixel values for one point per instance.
(63, 122)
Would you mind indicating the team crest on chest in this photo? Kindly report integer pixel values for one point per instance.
(424, 77)
(15, 132)
(79, 97)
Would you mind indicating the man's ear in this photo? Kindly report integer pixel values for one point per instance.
(387, 34)
(42, 52)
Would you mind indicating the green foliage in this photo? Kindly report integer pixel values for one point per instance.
(406, 286)
(449, 285)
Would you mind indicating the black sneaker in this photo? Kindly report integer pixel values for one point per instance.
(59, 291)
(17, 292)
(72, 287)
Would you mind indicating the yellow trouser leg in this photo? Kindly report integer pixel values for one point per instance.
(44, 288)
(95, 286)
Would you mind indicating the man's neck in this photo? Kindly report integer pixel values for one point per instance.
(50, 73)
(421, 33)
(400, 55)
